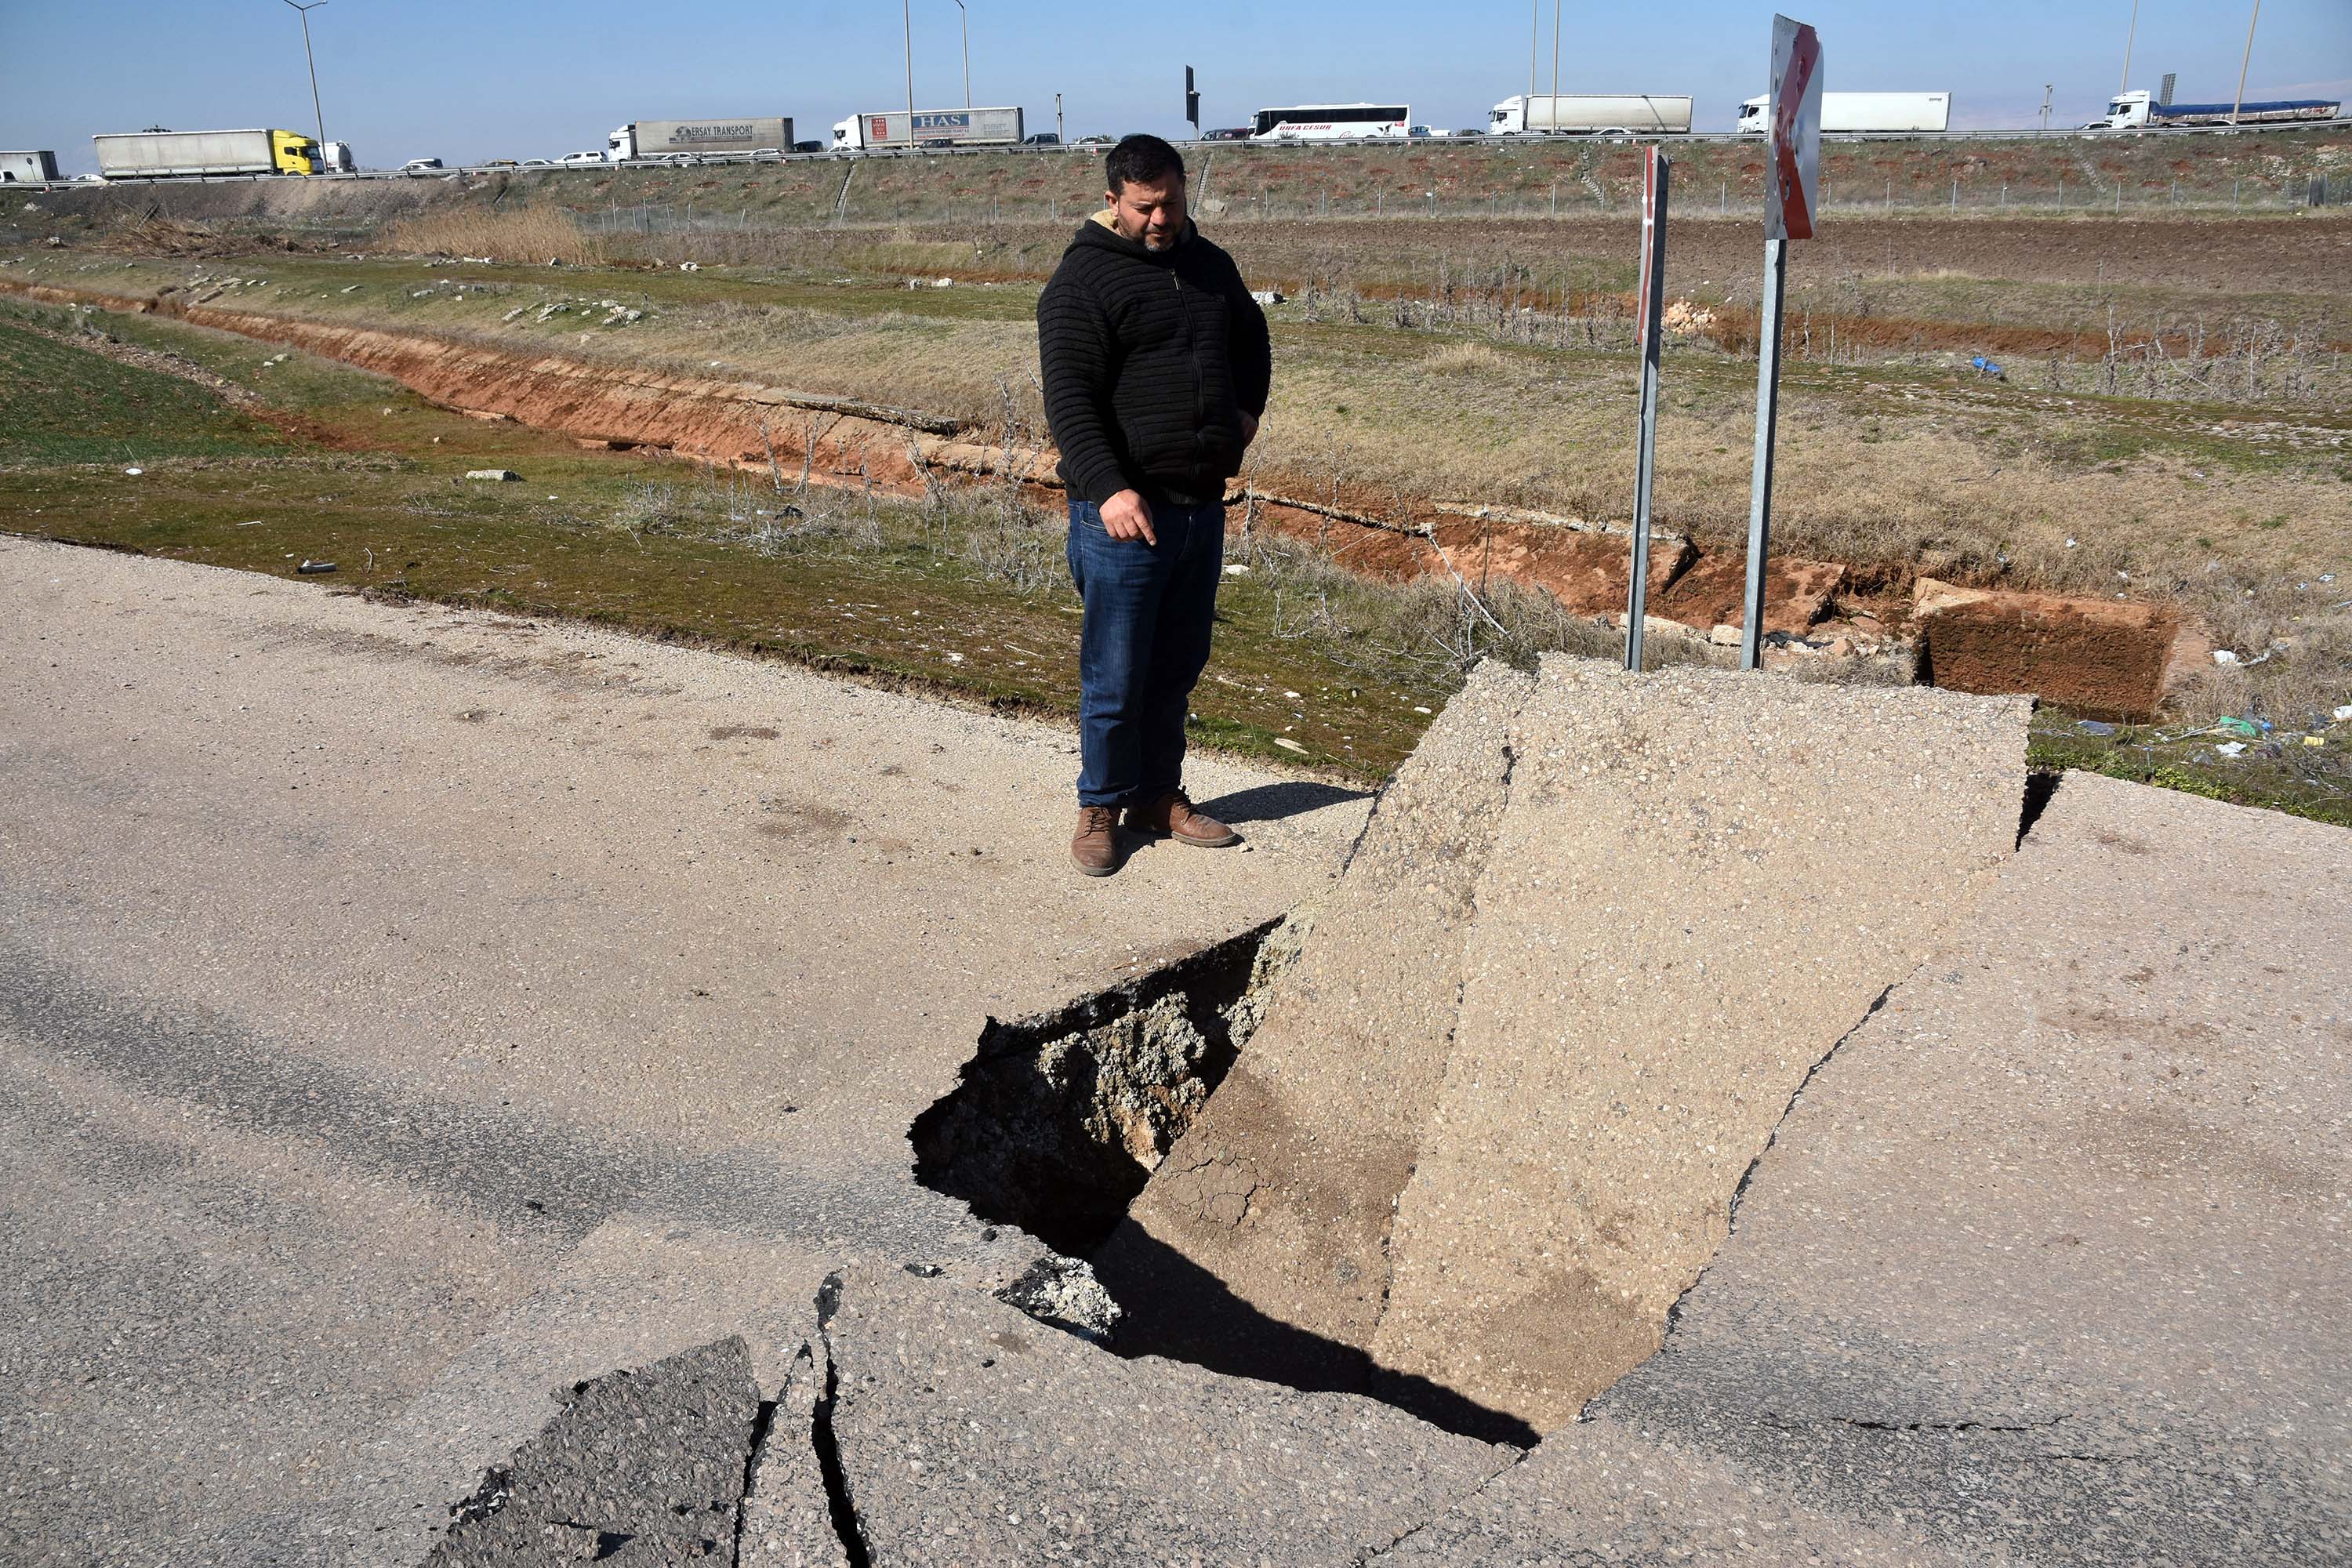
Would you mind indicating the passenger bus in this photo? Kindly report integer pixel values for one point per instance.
(1332, 122)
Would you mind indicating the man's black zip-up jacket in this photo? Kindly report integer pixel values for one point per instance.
(1151, 357)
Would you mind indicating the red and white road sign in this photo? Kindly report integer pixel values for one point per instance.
(1792, 172)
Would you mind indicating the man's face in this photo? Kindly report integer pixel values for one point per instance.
(1152, 213)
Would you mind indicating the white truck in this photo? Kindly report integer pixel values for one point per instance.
(1863, 114)
(2135, 111)
(1592, 114)
(167, 154)
(34, 168)
(684, 139)
(932, 128)
(335, 158)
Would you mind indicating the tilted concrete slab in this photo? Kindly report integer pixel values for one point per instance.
(1701, 882)
(1597, 932)
(1260, 1244)
(969, 1434)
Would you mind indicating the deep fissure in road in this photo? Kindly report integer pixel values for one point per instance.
(1058, 1120)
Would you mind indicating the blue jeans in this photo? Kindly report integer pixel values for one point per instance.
(1142, 645)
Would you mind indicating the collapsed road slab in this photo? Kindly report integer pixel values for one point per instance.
(969, 1434)
(2044, 1263)
(1598, 931)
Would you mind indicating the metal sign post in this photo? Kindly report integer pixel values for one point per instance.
(1791, 175)
(1649, 312)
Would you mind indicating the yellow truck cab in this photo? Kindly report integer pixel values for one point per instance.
(292, 152)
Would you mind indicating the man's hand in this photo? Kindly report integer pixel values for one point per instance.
(1249, 426)
(1127, 515)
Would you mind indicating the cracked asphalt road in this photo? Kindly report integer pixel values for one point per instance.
(405, 1010)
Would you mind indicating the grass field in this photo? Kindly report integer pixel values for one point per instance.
(963, 596)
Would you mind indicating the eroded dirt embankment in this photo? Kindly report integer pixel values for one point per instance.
(1585, 564)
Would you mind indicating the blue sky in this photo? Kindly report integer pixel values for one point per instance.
(532, 77)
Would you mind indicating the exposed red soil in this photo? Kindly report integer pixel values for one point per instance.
(2104, 657)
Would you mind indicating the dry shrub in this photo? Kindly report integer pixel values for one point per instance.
(1466, 359)
(520, 234)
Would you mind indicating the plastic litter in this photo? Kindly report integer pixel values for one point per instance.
(134, 470)
(2246, 727)
(2094, 727)
(315, 568)
(2231, 748)
(2314, 740)
(2224, 656)
(1984, 366)
(2344, 713)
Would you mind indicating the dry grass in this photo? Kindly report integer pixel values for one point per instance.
(520, 234)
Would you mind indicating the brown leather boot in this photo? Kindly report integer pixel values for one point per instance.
(1172, 816)
(1095, 850)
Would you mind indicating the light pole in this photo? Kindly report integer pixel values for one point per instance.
(1555, 64)
(2240, 103)
(1057, 119)
(305, 10)
(906, 13)
(1535, 33)
(965, 12)
(2130, 34)
(2046, 106)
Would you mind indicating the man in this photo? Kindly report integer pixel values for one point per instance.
(1155, 367)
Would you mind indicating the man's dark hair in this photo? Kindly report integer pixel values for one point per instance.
(1142, 161)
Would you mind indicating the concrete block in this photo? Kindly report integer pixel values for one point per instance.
(2106, 658)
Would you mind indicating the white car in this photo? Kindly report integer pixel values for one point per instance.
(572, 160)
(421, 166)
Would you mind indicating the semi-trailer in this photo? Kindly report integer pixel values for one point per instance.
(1591, 113)
(886, 128)
(691, 138)
(36, 168)
(167, 154)
(2137, 110)
(1863, 113)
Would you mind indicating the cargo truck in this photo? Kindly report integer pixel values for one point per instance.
(37, 168)
(166, 154)
(933, 128)
(1592, 114)
(335, 158)
(2135, 111)
(1862, 113)
(686, 139)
